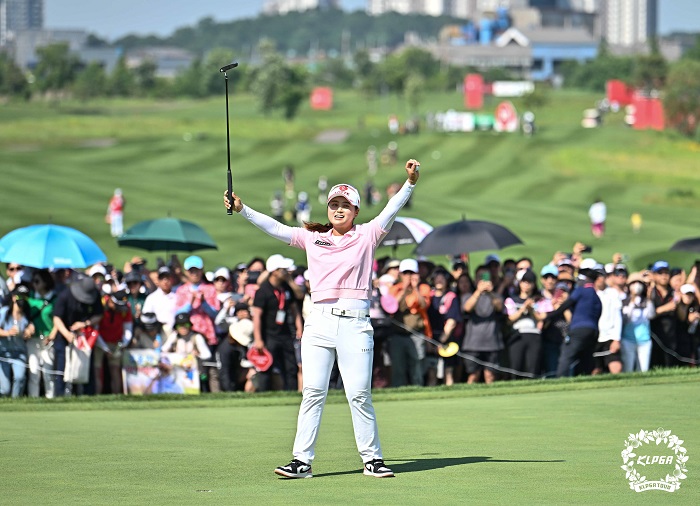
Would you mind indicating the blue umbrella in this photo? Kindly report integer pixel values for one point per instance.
(44, 246)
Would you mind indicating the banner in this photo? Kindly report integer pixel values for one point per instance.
(150, 372)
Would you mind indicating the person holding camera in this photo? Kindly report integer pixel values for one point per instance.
(525, 340)
(483, 339)
(15, 328)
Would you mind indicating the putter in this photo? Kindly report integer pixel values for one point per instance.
(225, 69)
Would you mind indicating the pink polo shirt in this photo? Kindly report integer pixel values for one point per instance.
(342, 269)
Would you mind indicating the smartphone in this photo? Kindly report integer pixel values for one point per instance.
(587, 249)
(486, 276)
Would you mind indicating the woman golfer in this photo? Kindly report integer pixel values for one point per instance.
(340, 255)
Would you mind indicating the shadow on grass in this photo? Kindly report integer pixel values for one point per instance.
(416, 465)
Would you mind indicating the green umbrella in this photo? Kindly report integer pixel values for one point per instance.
(167, 234)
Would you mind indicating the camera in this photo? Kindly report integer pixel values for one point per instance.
(587, 249)
(253, 276)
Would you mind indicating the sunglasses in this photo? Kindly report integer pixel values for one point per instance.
(14, 269)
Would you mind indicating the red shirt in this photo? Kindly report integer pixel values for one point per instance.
(112, 324)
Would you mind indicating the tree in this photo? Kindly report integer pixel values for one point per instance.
(91, 82)
(413, 90)
(121, 82)
(682, 96)
(57, 67)
(12, 81)
(650, 70)
(694, 52)
(190, 82)
(145, 77)
(276, 84)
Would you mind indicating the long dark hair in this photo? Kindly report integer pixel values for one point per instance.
(312, 226)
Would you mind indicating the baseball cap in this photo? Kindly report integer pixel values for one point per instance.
(97, 269)
(182, 319)
(132, 277)
(193, 262)
(492, 258)
(242, 332)
(587, 263)
(277, 261)
(347, 191)
(565, 261)
(149, 321)
(222, 272)
(392, 264)
(529, 276)
(659, 265)
(408, 264)
(120, 298)
(164, 271)
(549, 270)
(688, 288)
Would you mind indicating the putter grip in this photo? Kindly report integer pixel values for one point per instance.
(226, 68)
(229, 211)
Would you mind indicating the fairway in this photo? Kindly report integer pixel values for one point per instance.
(62, 163)
(555, 442)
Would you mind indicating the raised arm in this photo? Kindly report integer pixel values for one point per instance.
(386, 217)
(269, 225)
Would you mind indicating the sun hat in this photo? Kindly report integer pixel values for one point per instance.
(84, 290)
(347, 191)
(97, 269)
(120, 298)
(241, 331)
(222, 272)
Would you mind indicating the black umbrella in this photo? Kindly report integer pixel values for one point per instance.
(692, 244)
(167, 234)
(466, 236)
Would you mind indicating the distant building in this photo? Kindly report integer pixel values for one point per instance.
(16, 15)
(26, 43)
(629, 23)
(284, 6)
(169, 61)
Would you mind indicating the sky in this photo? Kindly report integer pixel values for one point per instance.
(111, 19)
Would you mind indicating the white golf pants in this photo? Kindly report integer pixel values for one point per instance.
(351, 339)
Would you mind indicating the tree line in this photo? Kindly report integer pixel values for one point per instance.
(281, 84)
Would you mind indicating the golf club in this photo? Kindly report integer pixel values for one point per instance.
(224, 69)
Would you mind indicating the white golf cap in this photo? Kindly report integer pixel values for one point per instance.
(587, 263)
(278, 262)
(242, 332)
(97, 269)
(688, 288)
(409, 264)
(347, 191)
(222, 272)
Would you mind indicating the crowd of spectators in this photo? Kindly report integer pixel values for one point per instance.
(510, 320)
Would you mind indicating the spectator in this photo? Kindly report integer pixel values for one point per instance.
(163, 301)
(75, 309)
(688, 314)
(116, 329)
(586, 308)
(198, 299)
(14, 329)
(13, 271)
(273, 310)
(525, 341)
(554, 330)
(445, 314)
(148, 335)
(186, 341)
(407, 351)
(607, 352)
(115, 213)
(136, 295)
(597, 214)
(302, 208)
(483, 339)
(637, 311)
(234, 346)
(664, 323)
(40, 353)
(222, 284)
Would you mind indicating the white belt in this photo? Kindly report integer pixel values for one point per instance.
(350, 313)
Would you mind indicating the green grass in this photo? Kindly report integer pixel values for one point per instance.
(554, 442)
(539, 187)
